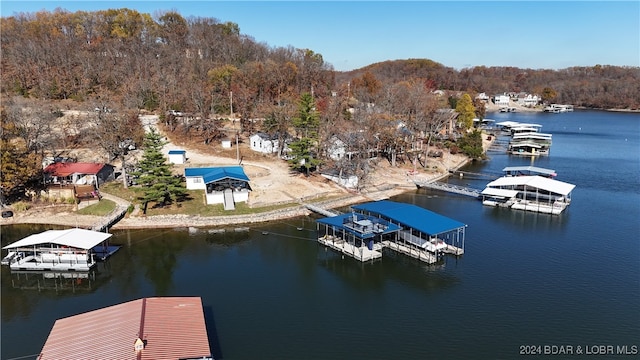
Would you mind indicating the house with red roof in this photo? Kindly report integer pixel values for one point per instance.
(79, 173)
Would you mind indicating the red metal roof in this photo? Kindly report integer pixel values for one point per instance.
(171, 327)
(68, 168)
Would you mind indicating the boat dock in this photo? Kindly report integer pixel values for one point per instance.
(404, 228)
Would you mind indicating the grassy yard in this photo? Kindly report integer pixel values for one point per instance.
(194, 205)
(101, 208)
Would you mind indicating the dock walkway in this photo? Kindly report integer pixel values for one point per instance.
(116, 215)
(435, 185)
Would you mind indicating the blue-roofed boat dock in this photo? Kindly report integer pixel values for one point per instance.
(404, 228)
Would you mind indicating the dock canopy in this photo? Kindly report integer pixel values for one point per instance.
(537, 182)
(497, 192)
(412, 216)
(360, 225)
(528, 170)
(76, 238)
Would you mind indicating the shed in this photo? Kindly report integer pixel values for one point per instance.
(226, 143)
(177, 156)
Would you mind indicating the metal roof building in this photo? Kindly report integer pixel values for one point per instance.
(212, 174)
(149, 328)
(411, 216)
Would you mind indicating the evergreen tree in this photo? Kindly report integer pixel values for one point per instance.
(154, 174)
(471, 144)
(306, 124)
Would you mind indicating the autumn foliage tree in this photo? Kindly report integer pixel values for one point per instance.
(466, 111)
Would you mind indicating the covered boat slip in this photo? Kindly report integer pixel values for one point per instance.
(528, 148)
(59, 250)
(530, 193)
(528, 170)
(404, 228)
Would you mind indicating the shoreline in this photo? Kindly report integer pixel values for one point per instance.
(392, 182)
(63, 217)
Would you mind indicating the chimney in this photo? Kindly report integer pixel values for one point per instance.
(138, 345)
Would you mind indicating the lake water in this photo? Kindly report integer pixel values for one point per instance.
(526, 280)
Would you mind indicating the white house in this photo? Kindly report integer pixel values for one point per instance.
(501, 100)
(177, 156)
(528, 100)
(346, 181)
(483, 97)
(264, 143)
(223, 185)
(226, 143)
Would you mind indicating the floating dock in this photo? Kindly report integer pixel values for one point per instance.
(404, 228)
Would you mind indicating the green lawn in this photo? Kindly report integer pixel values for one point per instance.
(101, 208)
(194, 205)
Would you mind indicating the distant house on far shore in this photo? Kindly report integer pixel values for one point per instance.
(501, 100)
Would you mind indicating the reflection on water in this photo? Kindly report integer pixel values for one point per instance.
(60, 282)
(525, 278)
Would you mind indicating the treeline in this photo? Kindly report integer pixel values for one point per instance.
(201, 65)
(114, 63)
(597, 87)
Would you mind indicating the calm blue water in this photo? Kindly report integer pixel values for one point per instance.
(525, 278)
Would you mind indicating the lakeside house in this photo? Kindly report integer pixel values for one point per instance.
(75, 180)
(78, 173)
(222, 185)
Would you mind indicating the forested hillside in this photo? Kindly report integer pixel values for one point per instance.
(194, 64)
(196, 73)
(598, 87)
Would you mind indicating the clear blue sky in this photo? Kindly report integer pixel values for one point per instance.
(459, 34)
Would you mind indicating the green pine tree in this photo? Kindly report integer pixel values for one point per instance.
(154, 175)
(306, 123)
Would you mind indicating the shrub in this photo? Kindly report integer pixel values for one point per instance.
(21, 206)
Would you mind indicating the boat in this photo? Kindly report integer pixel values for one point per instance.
(59, 250)
(558, 108)
(528, 192)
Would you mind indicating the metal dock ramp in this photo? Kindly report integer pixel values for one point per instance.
(461, 190)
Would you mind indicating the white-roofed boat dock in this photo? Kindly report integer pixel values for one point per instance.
(59, 250)
(529, 192)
